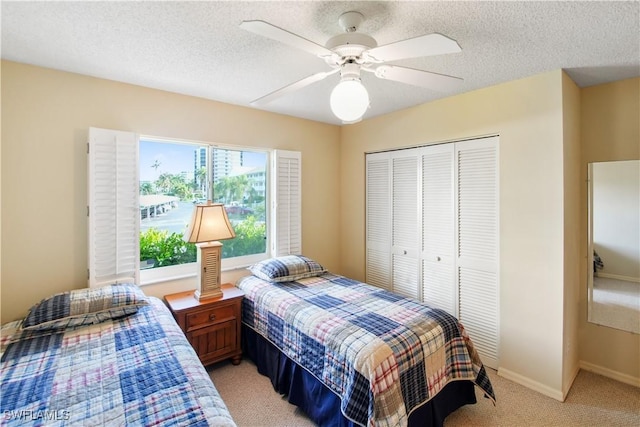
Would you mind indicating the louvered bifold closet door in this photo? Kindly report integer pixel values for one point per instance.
(477, 229)
(378, 220)
(438, 228)
(287, 203)
(113, 207)
(404, 221)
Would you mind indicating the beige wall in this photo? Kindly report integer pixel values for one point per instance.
(572, 253)
(46, 115)
(610, 129)
(527, 114)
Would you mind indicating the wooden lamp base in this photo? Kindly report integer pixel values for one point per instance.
(209, 256)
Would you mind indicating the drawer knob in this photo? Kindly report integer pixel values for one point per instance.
(212, 317)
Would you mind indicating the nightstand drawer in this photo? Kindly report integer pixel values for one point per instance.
(209, 317)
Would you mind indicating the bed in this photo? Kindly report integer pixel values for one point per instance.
(104, 356)
(348, 353)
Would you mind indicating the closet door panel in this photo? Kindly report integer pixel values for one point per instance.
(405, 277)
(438, 231)
(479, 311)
(404, 232)
(378, 220)
(477, 249)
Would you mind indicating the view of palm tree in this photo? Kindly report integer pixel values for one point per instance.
(200, 181)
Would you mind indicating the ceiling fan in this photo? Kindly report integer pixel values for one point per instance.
(350, 53)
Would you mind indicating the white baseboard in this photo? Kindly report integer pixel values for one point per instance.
(610, 373)
(562, 395)
(533, 385)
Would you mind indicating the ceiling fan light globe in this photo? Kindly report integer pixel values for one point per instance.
(349, 100)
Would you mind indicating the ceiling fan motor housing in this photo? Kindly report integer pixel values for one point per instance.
(350, 44)
(350, 70)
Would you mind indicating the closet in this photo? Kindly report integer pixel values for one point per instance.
(432, 231)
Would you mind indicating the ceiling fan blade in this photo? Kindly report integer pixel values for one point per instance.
(427, 45)
(275, 33)
(293, 87)
(426, 79)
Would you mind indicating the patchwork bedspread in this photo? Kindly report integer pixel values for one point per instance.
(139, 370)
(383, 354)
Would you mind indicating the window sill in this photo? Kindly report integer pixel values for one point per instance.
(165, 278)
(186, 273)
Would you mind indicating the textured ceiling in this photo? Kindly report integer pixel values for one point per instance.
(198, 48)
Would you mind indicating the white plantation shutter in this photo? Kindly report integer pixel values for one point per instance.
(378, 220)
(287, 203)
(477, 250)
(404, 233)
(438, 228)
(113, 207)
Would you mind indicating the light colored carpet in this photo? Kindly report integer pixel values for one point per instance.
(251, 398)
(593, 401)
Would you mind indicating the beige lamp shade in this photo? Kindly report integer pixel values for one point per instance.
(209, 222)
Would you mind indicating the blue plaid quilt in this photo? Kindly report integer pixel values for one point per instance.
(138, 371)
(383, 354)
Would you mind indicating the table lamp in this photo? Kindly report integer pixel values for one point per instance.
(209, 224)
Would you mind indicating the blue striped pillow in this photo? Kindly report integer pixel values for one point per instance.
(287, 268)
(85, 307)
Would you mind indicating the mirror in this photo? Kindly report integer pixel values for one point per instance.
(614, 244)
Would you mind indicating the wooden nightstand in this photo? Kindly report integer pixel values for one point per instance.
(212, 326)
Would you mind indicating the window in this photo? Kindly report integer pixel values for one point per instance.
(142, 192)
(174, 176)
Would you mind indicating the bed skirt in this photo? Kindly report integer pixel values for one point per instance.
(322, 405)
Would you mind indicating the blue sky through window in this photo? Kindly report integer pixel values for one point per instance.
(175, 158)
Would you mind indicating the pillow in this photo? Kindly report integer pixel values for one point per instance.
(287, 268)
(85, 307)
